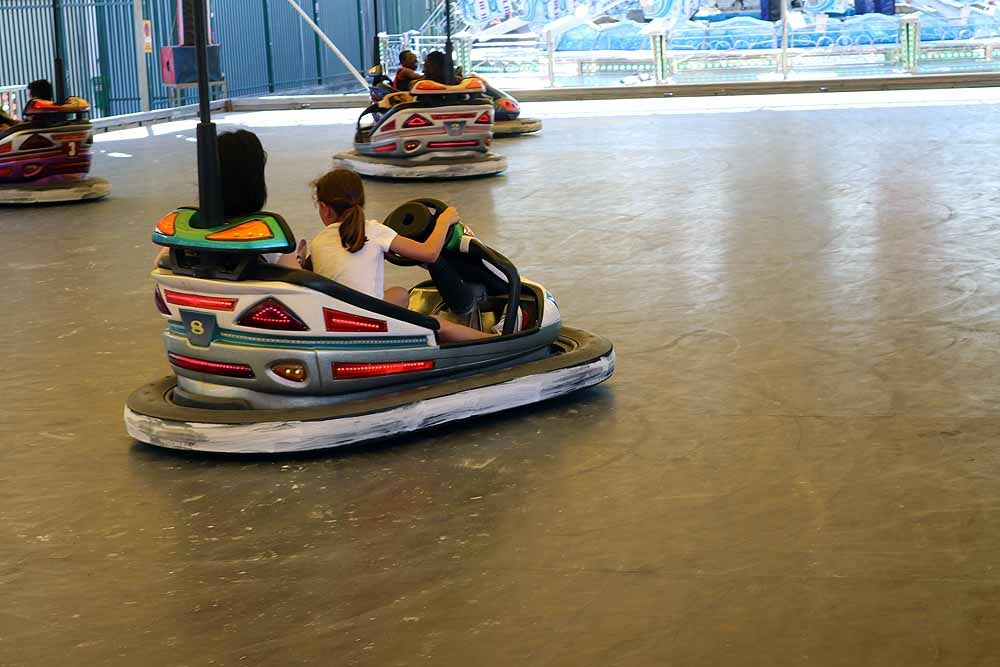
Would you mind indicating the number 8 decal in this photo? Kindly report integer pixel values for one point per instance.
(197, 327)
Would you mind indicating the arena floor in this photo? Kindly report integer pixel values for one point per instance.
(796, 461)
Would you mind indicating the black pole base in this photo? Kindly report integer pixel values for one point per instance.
(210, 212)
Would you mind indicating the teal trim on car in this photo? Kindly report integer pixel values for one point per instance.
(279, 237)
(288, 342)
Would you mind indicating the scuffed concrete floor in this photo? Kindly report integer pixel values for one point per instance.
(795, 463)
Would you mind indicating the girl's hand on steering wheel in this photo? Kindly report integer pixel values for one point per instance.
(448, 217)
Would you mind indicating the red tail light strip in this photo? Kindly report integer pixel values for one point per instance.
(199, 301)
(452, 144)
(211, 367)
(340, 321)
(69, 168)
(452, 116)
(357, 371)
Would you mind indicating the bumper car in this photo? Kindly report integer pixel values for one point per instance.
(507, 120)
(268, 359)
(46, 159)
(432, 131)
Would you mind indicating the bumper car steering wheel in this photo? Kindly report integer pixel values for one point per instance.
(460, 279)
(415, 220)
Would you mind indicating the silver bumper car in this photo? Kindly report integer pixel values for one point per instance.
(46, 159)
(268, 359)
(432, 131)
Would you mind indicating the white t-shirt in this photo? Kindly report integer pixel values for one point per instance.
(363, 270)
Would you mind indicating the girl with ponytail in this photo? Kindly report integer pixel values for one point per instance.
(351, 250)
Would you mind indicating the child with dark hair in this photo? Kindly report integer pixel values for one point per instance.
(434, 67)
(242, 160)
(40, 90)
(407, 72)
(351, 250)
(241, 164)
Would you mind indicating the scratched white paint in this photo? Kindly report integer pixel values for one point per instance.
(489, 163)
(89, 188)
(297, 436)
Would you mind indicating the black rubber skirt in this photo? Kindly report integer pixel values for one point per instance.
(579, 359)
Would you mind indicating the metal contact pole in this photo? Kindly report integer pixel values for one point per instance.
(140, 54)
(784, 39)
(60, 66)
(376, 60)
(449, 63)
(209, 177)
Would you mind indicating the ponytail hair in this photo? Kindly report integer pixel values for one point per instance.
(342, 190)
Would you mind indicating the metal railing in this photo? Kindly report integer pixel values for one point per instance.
(881, 45)
(742, 48)
(390, 47)
(12, 100)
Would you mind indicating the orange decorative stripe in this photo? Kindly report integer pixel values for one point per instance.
(166, 225)
(427, 85)
(254, 230)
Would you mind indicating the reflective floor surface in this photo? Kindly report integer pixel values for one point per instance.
(797, 461)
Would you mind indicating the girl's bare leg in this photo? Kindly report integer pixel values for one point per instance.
(451, 332)
(397, 296)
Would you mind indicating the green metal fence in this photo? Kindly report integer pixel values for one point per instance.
(266, 47)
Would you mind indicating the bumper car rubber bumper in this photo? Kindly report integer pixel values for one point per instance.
(429, 166)
(513, 128)
(69, 191)
(583, 359)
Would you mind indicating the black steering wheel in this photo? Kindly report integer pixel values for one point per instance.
(415, 220)
(460, 277)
